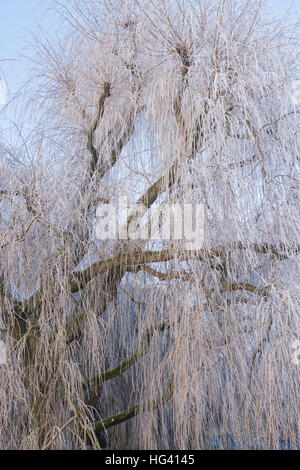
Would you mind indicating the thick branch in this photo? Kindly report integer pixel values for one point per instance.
(244, 286)
(109, 374)
(122, 260)
(183, 276)
(134, 411)
(93, 151)
(104, 167)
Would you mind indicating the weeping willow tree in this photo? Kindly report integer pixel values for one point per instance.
(143, 343)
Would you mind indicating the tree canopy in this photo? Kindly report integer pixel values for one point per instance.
(145, 343)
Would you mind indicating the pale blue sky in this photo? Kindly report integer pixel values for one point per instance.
(18, 17)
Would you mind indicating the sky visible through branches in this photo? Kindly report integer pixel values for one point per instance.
(19, 17)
